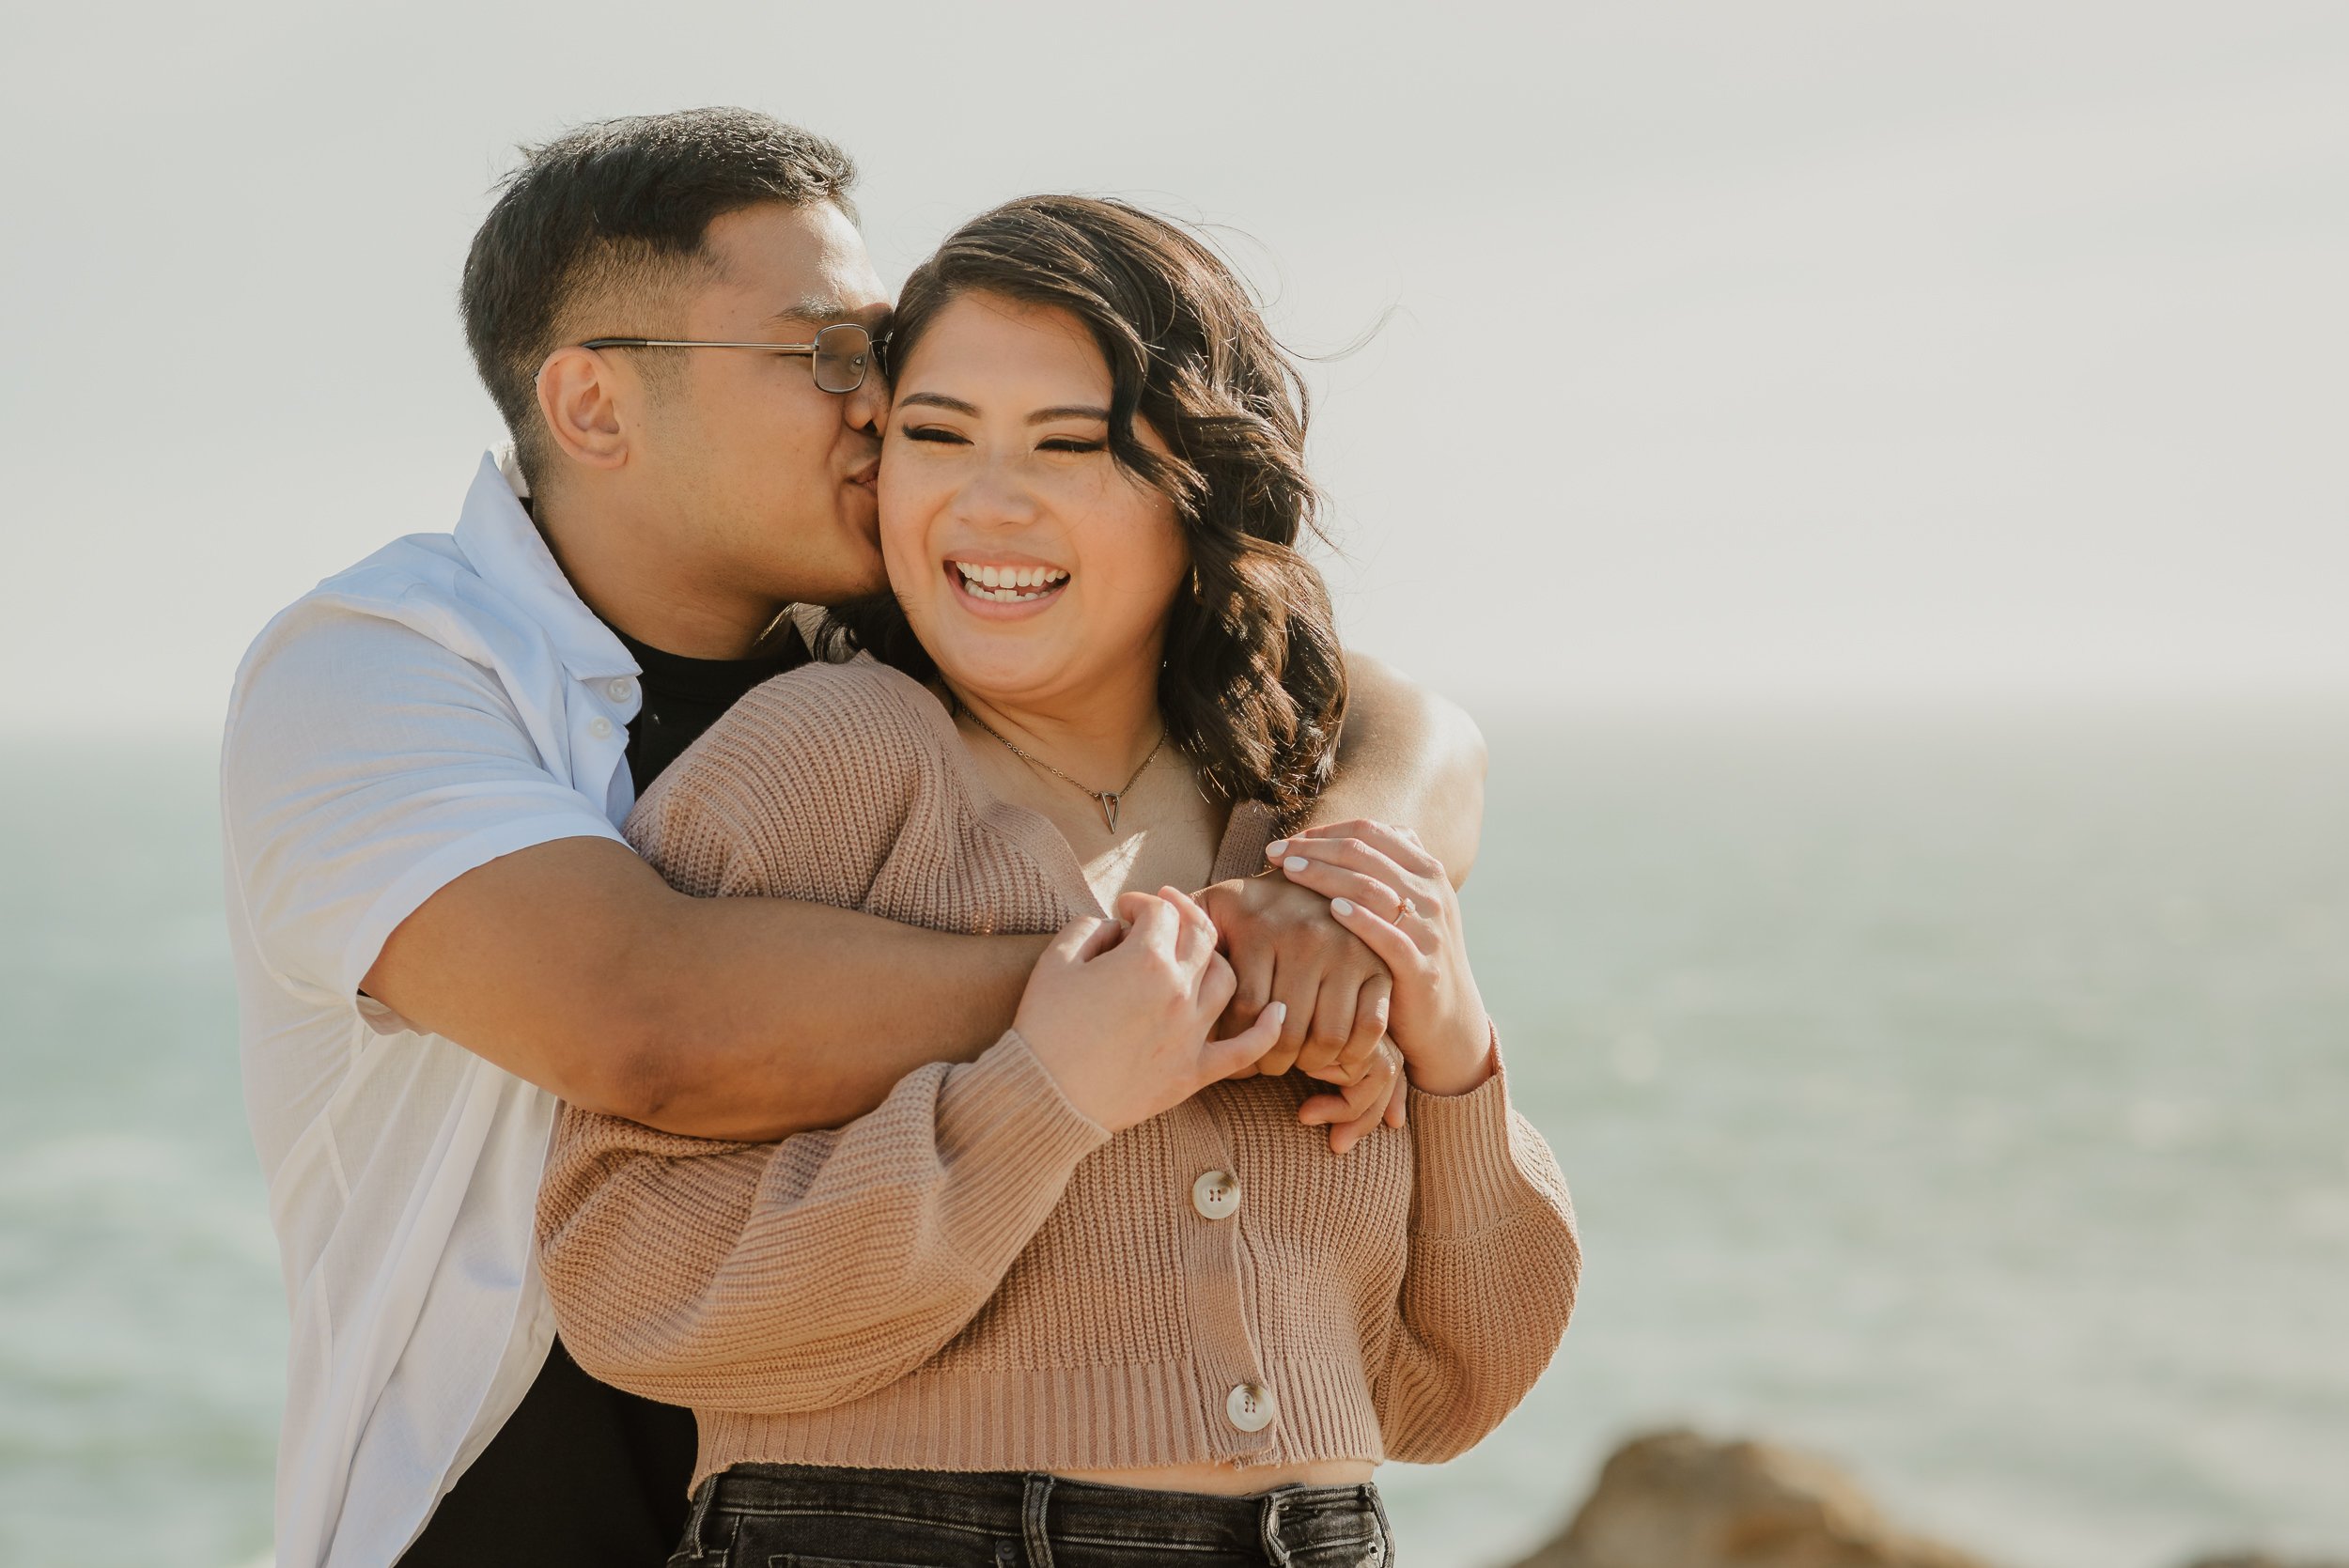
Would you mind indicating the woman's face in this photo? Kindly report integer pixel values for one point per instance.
(1031, 564)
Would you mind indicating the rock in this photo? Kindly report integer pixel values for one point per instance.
(1675, 1500)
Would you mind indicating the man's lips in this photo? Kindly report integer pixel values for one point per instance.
(866, 474)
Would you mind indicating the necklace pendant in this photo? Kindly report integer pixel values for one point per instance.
(1109, 809)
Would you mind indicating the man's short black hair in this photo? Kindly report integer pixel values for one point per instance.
(613, 210)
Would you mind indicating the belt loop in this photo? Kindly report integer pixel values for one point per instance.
(1269, 1528)
(1032, 1530)
(1386, 1530)
(692, 1549)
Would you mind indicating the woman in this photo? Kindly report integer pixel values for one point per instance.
(1090, 1298)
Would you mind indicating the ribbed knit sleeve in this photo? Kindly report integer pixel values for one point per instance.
(1490, 1279)
(800, 1274)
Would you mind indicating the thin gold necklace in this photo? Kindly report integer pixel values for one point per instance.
(1106, 799)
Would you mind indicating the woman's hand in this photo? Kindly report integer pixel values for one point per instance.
(1119, 1012)
(1389, 891)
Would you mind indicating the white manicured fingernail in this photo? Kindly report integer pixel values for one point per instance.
(1277, 847)
(1276, 1010)
(1340, 906)
(1294, 863)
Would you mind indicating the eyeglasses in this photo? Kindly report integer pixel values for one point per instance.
(840, 355)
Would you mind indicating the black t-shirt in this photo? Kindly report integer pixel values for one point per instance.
(582, 1473)
(685, 697)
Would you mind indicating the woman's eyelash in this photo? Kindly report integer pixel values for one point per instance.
(941, 434)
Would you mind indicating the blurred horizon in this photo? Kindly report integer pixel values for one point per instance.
(1976, 715)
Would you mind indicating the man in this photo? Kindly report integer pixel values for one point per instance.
(438, 930)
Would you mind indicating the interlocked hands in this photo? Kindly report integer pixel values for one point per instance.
(1346, 965)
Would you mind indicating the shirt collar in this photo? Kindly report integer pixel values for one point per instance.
(504, 546)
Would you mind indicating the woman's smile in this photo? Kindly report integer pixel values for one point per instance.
(998, 587)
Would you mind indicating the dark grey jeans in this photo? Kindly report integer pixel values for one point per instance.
(806, 1516)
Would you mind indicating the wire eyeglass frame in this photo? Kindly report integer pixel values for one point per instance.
(876, 345)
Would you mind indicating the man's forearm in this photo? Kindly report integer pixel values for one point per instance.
(846, 1006)
(1408, 757)
(713, 1017)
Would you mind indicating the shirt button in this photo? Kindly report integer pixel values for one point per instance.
(1249, 1407)
(601, 728)
(619, 689)
(1215, 1195)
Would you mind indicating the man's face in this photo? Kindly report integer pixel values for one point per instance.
(752, 460)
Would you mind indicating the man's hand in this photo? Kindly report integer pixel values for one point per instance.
(1285, 946)
(1351, 1110)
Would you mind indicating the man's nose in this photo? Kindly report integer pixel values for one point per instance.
(866, 408)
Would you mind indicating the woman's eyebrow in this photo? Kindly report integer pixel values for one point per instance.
(1041, 416)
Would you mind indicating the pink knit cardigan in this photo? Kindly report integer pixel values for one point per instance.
(975, 1276)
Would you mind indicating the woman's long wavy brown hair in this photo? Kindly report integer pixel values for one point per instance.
(1253, 686)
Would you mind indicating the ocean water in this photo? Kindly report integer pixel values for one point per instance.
(1966, 1097)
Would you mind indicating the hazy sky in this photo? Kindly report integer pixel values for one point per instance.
(1740, 352)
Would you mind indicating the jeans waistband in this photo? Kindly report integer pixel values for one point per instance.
(1042, 1511)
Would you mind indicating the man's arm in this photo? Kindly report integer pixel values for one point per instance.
(392, 828)
(757, 1017)
(713, 1017)
(1410, 759)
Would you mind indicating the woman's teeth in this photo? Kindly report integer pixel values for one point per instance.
(1009, 584)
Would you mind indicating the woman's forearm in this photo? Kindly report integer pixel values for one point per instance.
(1494, 1265)
(800, 1274)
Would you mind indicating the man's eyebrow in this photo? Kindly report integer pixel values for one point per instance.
(825, 311)
(940, 401)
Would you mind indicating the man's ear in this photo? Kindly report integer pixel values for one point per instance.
(579, 396)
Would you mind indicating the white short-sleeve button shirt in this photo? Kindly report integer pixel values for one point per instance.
(444, 702)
